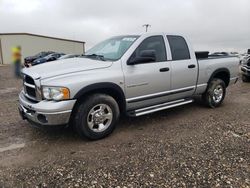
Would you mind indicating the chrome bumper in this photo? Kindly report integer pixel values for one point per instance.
(45, 112)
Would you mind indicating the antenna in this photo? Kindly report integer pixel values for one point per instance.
(146, 26)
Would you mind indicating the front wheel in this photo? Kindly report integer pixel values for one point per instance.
(96, 116)
(215, 93)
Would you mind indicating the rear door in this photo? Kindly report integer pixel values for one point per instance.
(184, 68)
(146, 83)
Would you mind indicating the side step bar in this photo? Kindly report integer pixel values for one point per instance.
(155, 108)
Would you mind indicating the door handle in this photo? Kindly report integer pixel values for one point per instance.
(166, 69)
(191, 66)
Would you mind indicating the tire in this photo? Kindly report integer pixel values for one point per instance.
(96, 116)
(245, 78)
(212, 99)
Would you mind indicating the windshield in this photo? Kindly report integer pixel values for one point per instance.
(113, 48)
(49, 56)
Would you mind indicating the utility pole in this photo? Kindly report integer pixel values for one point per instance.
(146, 26)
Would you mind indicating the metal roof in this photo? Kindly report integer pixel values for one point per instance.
(37, 35)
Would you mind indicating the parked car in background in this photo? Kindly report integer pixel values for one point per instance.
(30, 59)
(67, 56)
(220, 54)
(51, 57)
(245, 68)
(243, 57)
(234, 54)
(133, 75)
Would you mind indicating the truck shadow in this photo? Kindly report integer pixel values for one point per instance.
(163, 115)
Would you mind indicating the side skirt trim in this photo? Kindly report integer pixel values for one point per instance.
(159, 107)
(161, 94)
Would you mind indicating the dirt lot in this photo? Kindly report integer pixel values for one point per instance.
(189, 146)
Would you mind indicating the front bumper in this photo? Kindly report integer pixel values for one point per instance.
(45, 112)
(245, 70)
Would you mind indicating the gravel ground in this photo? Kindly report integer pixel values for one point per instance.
(189, 146)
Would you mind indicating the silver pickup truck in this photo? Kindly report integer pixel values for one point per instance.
(133, 75)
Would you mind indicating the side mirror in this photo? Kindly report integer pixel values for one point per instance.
(145, 56)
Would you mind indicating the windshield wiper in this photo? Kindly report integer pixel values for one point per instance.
(101, 57)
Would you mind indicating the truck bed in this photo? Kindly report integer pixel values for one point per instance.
(203, 55)
(209, 65)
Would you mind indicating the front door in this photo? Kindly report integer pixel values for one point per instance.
(147, 83)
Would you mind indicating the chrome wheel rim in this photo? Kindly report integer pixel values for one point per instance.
(100, 118)
(218, 94)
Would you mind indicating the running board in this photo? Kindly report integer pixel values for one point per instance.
(159, 107)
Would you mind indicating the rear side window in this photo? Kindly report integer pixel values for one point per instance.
(179, 47)
(155, 43)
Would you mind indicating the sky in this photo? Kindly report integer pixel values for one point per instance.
(214, 25)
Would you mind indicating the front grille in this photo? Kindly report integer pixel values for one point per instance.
(29, 87)
(31, 92)
(29, 80)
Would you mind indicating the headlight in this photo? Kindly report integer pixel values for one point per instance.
(55, 93)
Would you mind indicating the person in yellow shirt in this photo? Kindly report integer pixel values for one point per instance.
(16, 59)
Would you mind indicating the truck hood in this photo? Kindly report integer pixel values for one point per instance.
(64, 66)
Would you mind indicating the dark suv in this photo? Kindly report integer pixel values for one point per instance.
(50, 57)
(30, 59)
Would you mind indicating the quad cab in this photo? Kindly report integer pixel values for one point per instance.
(133, 75)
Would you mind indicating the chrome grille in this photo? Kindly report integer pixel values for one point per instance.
(29, 80)
(29, 88)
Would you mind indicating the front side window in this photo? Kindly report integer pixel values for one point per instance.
(155, 43)
(112, 49)
(179, 48)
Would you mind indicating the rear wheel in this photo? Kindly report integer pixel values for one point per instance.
(245, 78)
(96, 117)
(215, 93)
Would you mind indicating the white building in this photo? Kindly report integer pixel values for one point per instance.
(32, 44)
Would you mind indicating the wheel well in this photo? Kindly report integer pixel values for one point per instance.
(223, 75)
(117, 95)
